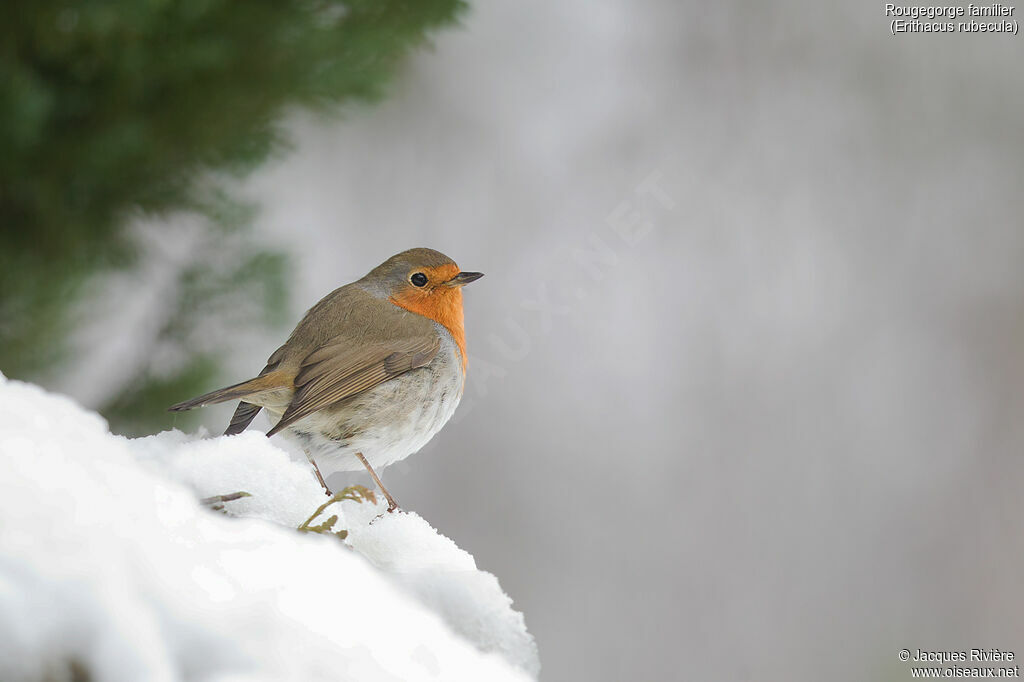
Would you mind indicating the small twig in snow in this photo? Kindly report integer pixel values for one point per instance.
(355, 493)
(216, 502)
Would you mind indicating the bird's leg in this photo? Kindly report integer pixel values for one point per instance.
(319, 476)
(392, 505)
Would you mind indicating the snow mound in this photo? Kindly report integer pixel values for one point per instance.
(110, 569)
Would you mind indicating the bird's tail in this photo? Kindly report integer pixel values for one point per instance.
(265, 382)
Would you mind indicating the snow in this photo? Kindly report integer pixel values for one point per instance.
(110, 566)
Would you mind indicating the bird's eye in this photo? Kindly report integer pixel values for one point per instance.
(419, 279)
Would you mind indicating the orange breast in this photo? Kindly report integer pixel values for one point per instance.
(442, 305)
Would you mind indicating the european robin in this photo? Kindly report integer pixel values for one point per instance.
(370, 373)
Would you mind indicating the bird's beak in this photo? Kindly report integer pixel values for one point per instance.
(464, 278)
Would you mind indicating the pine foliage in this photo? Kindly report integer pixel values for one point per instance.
(112, 109)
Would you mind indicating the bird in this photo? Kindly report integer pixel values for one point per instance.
(371, 372)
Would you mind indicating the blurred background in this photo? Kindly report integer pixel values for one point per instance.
(746, 370)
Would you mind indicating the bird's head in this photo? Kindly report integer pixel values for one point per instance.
(425, 282)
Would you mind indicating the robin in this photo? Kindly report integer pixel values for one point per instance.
(371, 372)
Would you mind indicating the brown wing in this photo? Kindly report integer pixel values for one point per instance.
(244, 414)
(335, 372)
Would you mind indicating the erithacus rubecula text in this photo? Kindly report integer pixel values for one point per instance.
(371, 372)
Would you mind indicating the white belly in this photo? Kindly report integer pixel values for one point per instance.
(388, 422)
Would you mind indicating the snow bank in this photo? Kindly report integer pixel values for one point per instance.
(110, 567)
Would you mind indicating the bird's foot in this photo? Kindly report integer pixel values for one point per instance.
(392, 505)
(320, 477)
